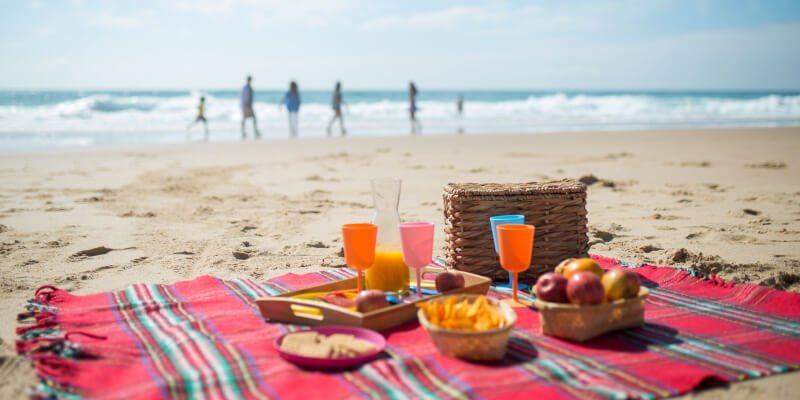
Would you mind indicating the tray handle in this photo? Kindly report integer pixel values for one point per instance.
(310, 312)
(433, 268)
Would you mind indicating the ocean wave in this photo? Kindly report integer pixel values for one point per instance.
(124, 115)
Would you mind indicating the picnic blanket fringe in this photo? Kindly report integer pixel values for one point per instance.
(47, 346)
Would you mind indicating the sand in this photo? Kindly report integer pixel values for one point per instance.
(726, 201)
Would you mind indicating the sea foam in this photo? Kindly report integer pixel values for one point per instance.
(52, 119)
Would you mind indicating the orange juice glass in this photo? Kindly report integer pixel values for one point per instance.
(359, 247)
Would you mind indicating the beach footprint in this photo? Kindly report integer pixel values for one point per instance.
(697, 164)
(767, 165)
(94, 252)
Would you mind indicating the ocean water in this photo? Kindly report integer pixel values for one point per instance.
(31, 120)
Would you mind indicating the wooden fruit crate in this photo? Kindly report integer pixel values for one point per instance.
(581, 323)
(284, 308)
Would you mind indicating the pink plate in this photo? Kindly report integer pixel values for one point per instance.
(336, 363)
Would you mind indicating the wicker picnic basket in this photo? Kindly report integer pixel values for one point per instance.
(557, 209)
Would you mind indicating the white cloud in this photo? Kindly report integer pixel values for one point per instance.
(580, 17)
(261, 13)
(113, 21)
(488, 44)
(440, 18)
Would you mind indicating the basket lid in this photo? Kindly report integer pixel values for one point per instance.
(527, 188)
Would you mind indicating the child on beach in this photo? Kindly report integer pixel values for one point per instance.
(292, 101)
(201, 117)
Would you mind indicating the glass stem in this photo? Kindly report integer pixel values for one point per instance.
(360, 281)
(419, 282)
(514, 286)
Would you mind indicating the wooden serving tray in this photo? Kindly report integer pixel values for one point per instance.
(284, 308)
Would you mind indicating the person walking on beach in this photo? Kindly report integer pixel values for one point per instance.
(201, 117)
(292, 101)
(416, 127)
(460, 109)
(247, 109)
(336, 105)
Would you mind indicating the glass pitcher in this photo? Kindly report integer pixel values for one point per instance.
(389, 273)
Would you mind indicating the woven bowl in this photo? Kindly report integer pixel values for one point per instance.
(472, 345)
(581, 323)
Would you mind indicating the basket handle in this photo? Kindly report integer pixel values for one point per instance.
(287, 309)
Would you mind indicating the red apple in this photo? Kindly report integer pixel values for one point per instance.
(552, 287)
(620, 283)
(585, 288)
(447, 281)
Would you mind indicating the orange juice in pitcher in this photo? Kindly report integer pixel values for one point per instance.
(389, 273)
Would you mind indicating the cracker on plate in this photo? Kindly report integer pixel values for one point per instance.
(313, 344)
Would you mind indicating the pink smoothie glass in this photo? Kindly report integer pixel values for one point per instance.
(416, 239)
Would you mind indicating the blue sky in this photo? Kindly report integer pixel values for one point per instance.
(649, 44)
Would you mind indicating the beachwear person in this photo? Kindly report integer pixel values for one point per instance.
(336, 105)
(247, 109)
(416, 127)
(460, 109)
(201, 117)
(292, 101)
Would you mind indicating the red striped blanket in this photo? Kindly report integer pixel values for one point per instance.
(205, 338)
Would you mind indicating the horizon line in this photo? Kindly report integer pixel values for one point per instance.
(165, 89)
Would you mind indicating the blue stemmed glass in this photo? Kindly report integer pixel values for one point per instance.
(515, 219)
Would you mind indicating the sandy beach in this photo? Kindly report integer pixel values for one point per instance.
(721, 201)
